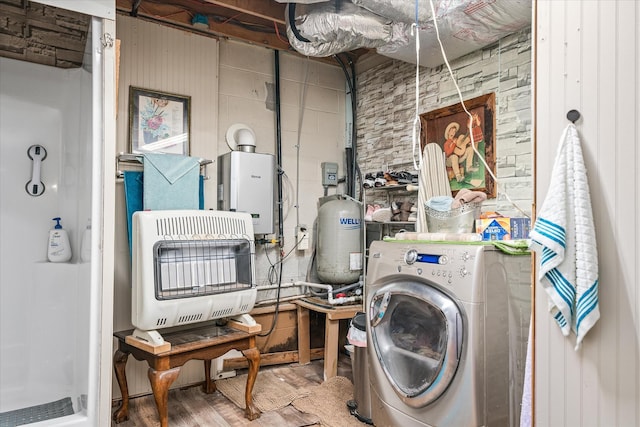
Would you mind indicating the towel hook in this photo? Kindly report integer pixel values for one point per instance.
(573, 116)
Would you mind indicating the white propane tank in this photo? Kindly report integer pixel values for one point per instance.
(339, 241)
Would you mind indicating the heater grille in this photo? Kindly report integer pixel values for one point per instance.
(189, 268)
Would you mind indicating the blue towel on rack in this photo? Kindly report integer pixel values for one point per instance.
(565, 239)
(170, 182)
(133, 185)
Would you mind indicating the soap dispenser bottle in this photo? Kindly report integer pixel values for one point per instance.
(85, 246)
(59, 249)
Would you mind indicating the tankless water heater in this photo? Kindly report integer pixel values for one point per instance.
(246, 184)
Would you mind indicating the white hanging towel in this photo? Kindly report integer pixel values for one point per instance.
(564, 238)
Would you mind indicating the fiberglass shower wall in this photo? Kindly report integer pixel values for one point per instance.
(44, 307)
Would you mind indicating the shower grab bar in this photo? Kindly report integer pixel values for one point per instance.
(37, 153)
(134, 159)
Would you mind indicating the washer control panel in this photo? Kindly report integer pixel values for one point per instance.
(440, 262)
(460, 268)
(412, 256)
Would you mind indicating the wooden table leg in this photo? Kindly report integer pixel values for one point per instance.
(253, 357)
(304, 340)
(119, 365)
(160, 383)
(331, 348)
(208, 386)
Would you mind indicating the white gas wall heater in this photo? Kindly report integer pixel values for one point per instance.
(190, 266)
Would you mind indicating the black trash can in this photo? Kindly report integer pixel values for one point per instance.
(360, 406)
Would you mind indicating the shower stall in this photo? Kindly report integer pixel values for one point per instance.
(56, 318)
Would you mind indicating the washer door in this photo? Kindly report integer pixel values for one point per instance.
(417, 333)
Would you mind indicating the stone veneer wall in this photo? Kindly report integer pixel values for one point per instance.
(43, 34)
(386, 108)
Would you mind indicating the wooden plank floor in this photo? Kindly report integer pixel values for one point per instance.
(190, 407)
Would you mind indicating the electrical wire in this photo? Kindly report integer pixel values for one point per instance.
(275, 25)
(279, 282)
(248, 26)
(416, 119)
(288, 190)
(303, 96)
(455, 83)
(275, 278)
(231, 18)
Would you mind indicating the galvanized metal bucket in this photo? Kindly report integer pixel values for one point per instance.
(458, 220)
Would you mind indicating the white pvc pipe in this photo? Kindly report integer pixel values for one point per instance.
(330, 299)
(329, 290)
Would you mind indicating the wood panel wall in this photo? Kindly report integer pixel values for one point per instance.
(588, 58)
(167, 60)
(230, 82)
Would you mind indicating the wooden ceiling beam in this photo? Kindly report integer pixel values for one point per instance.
(251, 21)
(269, 10)
(178, 16)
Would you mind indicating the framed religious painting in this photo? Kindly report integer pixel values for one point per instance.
(468, 143)
(158, 122)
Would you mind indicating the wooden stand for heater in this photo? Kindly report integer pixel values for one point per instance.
(200, 343)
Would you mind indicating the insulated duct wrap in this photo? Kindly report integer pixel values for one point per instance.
(400, 10)
(337, 26)
(329, 28)
(464, 26)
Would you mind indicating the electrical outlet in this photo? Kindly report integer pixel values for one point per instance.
(302, 237)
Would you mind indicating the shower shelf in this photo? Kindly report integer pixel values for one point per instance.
(135, 160)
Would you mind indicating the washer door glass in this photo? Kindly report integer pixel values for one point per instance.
(417, 336)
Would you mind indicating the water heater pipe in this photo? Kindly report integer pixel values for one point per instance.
(279, 166)
(329, 289)
(351, 152)
(279, 148)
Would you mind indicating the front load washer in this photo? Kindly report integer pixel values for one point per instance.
(447, 326)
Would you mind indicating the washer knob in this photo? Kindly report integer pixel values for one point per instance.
(443, 260)
(411, 256)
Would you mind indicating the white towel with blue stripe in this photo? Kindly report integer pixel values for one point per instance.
(564, 238)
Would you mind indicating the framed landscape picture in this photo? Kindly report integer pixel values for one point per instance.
(158, 122)
(468, 143)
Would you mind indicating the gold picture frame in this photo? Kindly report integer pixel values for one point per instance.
(464, 168)
(159, 122)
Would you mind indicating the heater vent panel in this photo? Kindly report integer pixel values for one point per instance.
(189, 268)
(202, 227)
